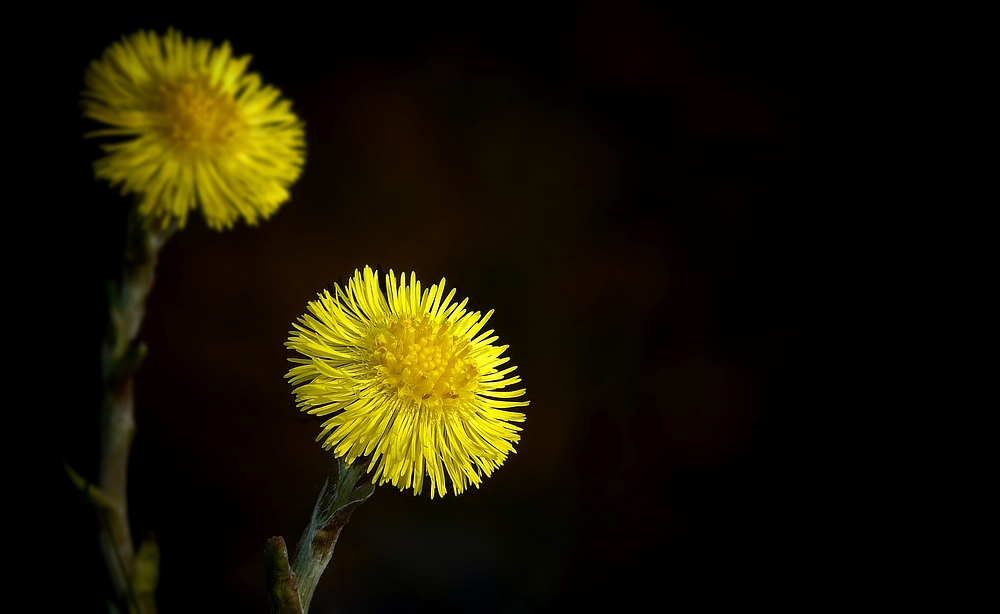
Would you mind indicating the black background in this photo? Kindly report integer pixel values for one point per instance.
(633, 188)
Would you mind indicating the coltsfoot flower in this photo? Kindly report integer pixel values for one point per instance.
(411, 380)
(205, 131)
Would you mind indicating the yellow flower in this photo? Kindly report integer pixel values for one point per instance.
(411, 379)
(205, 131)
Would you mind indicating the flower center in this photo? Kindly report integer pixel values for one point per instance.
(421, 360)
(198, 117)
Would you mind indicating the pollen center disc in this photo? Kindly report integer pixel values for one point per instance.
(422, 363)
(197, 117)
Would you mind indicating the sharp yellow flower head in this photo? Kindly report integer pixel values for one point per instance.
(199, 130)
(411, 380)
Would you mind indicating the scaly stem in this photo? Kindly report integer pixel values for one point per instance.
(336, 503)
(121, 355)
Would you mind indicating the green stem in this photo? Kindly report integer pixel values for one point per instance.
(121, 355)
(333, 509)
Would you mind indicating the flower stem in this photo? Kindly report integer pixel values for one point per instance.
(121, 355)
(334, 507)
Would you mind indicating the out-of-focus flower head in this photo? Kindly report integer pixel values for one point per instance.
(198, 130)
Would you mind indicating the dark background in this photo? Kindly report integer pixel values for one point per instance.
(632, 187)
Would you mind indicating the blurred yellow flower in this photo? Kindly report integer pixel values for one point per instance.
(205, 132)
(411, 379)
